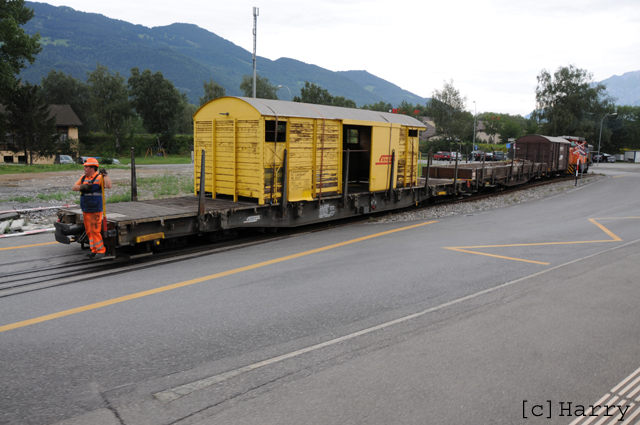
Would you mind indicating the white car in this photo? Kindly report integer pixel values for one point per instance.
(66, 159)
(456, 154)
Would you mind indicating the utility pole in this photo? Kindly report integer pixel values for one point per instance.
(255, 33)
(475, 113)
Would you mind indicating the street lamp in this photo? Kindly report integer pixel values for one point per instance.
(474, 124)
(281, 86)
(600, 139)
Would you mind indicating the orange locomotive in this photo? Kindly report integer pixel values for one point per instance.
(579, 158)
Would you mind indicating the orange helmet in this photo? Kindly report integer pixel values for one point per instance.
(91, 162)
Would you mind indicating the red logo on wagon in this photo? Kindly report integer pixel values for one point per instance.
(384, 160)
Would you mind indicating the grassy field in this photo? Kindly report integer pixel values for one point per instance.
(38, 168)
(41, 168)
(165, 186)
(158, 160)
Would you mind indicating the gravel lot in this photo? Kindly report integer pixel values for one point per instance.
(32, 185)
(499, 201)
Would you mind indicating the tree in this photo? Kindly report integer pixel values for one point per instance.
(158, 103)
(16, 47)
(380, 107)
(312, 93)
(57, 88)
(185, 121)
(407, 108)
(492, 126)
(110, 101)
(34, 133)
(625, 130)
(532, 127)
(446, 108)
(212, 90)
(569, 102)
(264, 90)
(342, 102)
(510, 130)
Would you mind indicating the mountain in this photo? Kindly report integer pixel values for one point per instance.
(74, 42)
(625, 88)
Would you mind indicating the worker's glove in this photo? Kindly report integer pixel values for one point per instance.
(103, 171)
(85, 188)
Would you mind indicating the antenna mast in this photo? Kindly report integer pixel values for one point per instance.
(255, 32)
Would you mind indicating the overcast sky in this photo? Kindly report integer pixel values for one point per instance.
(493, 50)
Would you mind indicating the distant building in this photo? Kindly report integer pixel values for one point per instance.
(481, 136)
(431, 129)
(67, 123)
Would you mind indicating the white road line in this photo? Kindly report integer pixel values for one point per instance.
(634, 392)
(628, 387)
(633, 415)
(625, 380)
(177, 392)
(616, 418)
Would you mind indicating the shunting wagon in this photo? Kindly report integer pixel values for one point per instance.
(266, 164)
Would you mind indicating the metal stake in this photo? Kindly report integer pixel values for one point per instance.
(134, 183)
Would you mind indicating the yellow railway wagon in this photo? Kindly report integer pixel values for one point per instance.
(245, 141)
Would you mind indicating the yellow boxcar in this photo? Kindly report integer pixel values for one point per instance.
(245, 140)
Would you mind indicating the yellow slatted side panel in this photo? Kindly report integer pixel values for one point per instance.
(328, 155)
(300, 160)
(225, 163)
(203, 140)
(413, 148)
(401, 155)
(249, 157)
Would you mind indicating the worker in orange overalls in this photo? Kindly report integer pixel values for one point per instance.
(91, 201)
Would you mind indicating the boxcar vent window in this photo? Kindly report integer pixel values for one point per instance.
(270, 131)
(352, 136)
(413, 133)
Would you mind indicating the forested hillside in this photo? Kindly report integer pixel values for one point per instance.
(625, 88)
(74, 42)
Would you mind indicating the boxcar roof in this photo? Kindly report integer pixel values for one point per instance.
(281, 108)
(537, 138)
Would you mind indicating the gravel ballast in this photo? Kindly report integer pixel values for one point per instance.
(498, 201)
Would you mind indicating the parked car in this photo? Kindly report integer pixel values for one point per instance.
(65, 159)
(488, 156)
(456, 154)
(603, 157)
(82, 159)
(442, 155)
(499, 156)
(476, 155)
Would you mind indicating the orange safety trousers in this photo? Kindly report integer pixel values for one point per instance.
(93, 227)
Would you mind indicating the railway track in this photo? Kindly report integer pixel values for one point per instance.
(65, 273)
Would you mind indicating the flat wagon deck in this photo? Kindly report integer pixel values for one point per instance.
(164, 222)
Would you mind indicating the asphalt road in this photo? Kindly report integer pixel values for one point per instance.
(490, 318)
